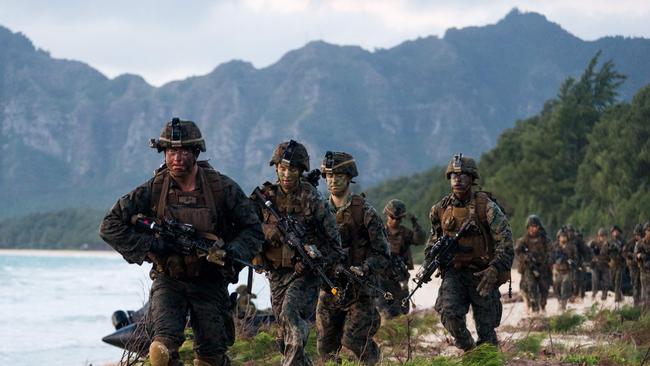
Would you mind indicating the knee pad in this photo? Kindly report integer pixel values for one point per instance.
(159, 354)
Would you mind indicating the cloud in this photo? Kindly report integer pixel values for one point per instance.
(170, 39)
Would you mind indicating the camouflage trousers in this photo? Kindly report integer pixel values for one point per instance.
(352, 325)
(399, 290)
(616, 275)
(534, 285)
(563, 282)
(645, 288)
(209, 308)
(579, 282)
(600, 281)
(293, 299)
(457, 292)
(635, 281)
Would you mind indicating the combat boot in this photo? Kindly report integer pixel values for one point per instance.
(158, 354)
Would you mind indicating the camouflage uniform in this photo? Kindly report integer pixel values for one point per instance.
(395, 280)
(353, 320)
(582, 262)
(564, 265)
(491, 249)
(533, 257)
(294, 294)
(642, 255)
(600, 266)
(616, 265)
(187, 283)
(633, 267)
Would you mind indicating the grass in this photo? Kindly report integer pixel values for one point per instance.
(566, 322)
(530, 346)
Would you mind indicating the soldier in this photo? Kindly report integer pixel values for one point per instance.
(194, 193)
(564, 265)
(533, 252)
(616, 266)
(642, 254)
(294, 288)
(582, 262)
(633, 267)
(400, 240)
(245, 311)
(484, 261)
(353, 320)
(600, 264)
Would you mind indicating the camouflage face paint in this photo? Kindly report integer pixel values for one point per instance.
(288, 176)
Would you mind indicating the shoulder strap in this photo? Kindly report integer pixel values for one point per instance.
(159, 190)
(356, 208)
(215, 194)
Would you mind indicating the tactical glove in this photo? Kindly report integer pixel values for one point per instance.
(359, 270)
(299, 267)
(217, 253)
(160, 247)
(488, 280)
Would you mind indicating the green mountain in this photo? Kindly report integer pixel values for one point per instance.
(584, 159)
(70, 137)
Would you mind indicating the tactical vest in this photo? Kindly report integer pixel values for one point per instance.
(399, 246)
(477, 246)
(200, 208)
(278, 254)
(354, 234)
(536, 248)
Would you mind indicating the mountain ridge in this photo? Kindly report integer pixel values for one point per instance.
(71, 137)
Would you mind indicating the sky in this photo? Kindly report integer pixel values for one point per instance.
(166, 40)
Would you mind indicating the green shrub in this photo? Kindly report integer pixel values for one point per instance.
(530, 345)
(566, 322)
(581, 359)
(483, 355)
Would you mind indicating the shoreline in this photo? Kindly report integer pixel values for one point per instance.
(59, 253)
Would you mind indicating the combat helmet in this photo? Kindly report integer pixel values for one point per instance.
(291, 153)
(242, 290)
(462, 164)
(646, 226)
(177, 133)
(337, 162)
(395, 208)
(638, 229)
(602, 232)
(534, 220)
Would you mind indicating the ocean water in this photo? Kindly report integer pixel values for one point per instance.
(57, 306)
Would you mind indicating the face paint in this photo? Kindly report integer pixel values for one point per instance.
(337, 184)
(180, 161)
(288, 176)
(533, 230)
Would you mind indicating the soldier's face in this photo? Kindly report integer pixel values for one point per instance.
(180, 161)
(564, 240)
(615, 234)
(337, 184)
(288, 176)
(533, 230)
(602, 238)
(392, 222)
(460, 183)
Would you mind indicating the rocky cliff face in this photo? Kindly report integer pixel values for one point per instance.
(72, 137)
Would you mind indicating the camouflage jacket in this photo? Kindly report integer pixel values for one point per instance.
(308, 207)
(371, 227)
(241, 229)
(628, 253)
(533, 251)
(401, 240)
(642, 254)
(499, 229)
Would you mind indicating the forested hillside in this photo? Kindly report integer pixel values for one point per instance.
(584, 159)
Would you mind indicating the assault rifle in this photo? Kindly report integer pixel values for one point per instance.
(439, 255)
(533, 261)
(293, 234)
(364, 281)
(561, 257)
(187, 239)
